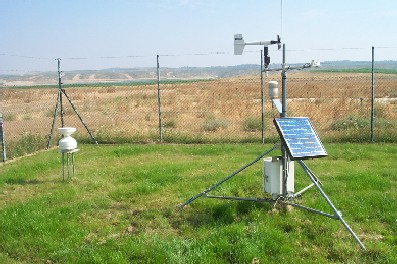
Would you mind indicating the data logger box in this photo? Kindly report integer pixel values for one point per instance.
(273, 176)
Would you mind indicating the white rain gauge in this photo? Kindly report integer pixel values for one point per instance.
(68, 146)
(299, 141)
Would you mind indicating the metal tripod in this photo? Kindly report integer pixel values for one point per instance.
(284, 198)
(289, 200)
(61, 92)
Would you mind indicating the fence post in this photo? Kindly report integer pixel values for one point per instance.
(373, 98)
(262, 101)
(159, 99)
(2, 138)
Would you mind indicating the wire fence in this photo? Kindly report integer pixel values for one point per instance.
(196, 105)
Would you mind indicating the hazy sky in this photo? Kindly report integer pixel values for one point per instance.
(89, 34)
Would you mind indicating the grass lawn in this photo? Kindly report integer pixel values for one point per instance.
(120, 207)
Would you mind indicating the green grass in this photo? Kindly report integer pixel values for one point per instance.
(120, 207)
(28, 143)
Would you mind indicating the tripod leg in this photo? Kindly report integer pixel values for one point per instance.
(63, 166)
(53, 121)
(77, 113)
(68, 163)
(73, 163)
(225, 179)
(337, 213)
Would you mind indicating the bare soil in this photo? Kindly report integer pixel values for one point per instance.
(186, 107)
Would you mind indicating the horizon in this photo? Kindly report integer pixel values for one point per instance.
(187, 67)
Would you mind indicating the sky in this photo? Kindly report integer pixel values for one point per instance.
(100, 34)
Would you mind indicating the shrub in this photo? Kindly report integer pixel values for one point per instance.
(170, 123)
(350, 122)
(212, 124)
(28, 143)
(252, 124)
(170, 120)
(384, 123)
(380, 110)
(9, 117)
(354, 122)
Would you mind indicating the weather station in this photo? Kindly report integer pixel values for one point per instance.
(298, 142)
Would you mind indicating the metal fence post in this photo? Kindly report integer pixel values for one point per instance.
(262, 101)
(2, 138)
(159, 99)
(373, 98)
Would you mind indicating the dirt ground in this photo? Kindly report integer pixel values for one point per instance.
(191, 108)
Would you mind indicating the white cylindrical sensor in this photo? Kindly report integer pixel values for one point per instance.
(67, 143)
(273, 89)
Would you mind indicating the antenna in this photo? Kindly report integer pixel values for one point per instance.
(282, 19)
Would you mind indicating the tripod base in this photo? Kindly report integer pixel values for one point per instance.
(69, 153)
(287, 200)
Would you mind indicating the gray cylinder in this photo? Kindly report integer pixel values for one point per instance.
(273, 89)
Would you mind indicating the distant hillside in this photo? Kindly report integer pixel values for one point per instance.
(128, 75)
(345, 64)
(183, 73)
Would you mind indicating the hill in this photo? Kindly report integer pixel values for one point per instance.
(182, 73)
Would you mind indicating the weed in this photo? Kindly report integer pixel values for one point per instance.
(350, 122)
(28, 143)
(170, 123)
(359, 124)
(212, 124)
(9, 117)
(252, 124)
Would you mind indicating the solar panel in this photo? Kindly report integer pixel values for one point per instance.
(299, 137)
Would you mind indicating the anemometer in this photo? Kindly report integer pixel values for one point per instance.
(239, 45)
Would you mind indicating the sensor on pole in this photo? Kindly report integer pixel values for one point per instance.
(239, 43)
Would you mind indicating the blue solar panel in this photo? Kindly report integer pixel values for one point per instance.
(299, 137)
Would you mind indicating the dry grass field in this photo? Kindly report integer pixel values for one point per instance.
(215, 109)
